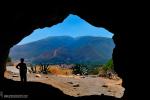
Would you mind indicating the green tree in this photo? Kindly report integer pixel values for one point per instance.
(109, 65)
(8, 59)
(107, 69)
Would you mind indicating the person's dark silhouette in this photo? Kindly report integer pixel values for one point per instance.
(23, 70)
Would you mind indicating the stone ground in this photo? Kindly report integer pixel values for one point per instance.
(74, 85)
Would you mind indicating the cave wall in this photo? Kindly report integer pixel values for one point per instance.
(19, 21)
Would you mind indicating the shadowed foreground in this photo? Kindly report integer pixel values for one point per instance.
(36, 90)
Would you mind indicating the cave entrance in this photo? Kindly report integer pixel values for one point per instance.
(73, 49)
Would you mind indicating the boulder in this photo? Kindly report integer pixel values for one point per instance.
(70, 82)
(76, 85)
(15, 76)
(37, 75)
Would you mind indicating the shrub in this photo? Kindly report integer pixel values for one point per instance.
(9, 62)
(60, 71)
(107, 70)
(94, 71)
(80, 69)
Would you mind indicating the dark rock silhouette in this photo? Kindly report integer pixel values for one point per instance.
(19, 20)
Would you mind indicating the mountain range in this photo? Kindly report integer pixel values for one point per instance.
(65, 49)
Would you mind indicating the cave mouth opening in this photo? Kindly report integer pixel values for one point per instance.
(72, 35)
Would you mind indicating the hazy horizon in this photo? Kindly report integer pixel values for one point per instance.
(72, 26)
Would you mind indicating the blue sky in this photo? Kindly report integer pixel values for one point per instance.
(72, 26)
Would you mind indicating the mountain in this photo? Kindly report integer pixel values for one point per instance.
(65, 49)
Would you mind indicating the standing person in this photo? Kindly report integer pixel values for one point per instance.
(23, 70)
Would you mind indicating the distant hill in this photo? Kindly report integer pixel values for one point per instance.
(65, 49)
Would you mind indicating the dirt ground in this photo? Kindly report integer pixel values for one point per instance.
(76, 85)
